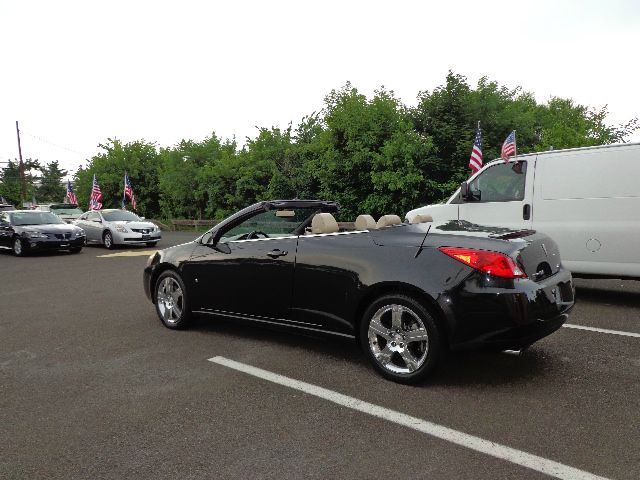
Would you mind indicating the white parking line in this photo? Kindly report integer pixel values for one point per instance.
(478, 444)
(602, 330)
(129, 253)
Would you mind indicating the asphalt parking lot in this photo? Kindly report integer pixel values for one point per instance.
(93, 386)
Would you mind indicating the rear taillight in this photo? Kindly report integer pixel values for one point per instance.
(492, 263)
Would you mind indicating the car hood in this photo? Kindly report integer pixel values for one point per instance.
(48, 228)
(135, 224)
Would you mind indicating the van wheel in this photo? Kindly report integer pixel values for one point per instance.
(400, 338)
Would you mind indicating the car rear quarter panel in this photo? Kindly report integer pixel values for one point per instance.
(337, 276)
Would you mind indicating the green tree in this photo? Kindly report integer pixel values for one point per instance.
(51, 186)
(10, 187)
(139, 159)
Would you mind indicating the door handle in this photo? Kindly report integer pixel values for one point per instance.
(526, 211)
(277, 253)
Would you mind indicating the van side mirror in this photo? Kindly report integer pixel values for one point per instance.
(467, 194)
(464, 191)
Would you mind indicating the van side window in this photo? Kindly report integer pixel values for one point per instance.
(503, 182)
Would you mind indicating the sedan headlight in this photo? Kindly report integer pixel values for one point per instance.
(121, 229)
(80, 233)
(31, 234)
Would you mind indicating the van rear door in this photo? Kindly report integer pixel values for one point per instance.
(501, 195)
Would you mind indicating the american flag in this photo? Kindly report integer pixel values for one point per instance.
(508, 147)
(475, 162)
(128, 191)
(70, 195)
(96, 195)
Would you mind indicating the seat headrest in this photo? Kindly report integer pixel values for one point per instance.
(422, 218)
(365, 222)
(324, 223)
(386, 220)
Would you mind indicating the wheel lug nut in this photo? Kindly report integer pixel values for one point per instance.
(393, 344)
(402, 344)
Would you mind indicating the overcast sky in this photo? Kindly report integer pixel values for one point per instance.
(77, 73)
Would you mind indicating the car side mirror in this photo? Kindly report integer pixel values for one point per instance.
(142, 218)
(222, 248)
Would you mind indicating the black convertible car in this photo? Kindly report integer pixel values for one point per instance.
(404, 291)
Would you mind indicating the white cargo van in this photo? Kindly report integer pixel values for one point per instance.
(586, 199)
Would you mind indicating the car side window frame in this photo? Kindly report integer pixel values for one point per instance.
(522, 164)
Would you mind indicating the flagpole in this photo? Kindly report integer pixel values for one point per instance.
(124, 191)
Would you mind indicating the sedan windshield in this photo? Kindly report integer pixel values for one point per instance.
(120, 216)
(34, 218)
(66, 210)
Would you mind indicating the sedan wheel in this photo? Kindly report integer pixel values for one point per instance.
(401, 338)
(107, 239)
(18, 248)
(171, 300)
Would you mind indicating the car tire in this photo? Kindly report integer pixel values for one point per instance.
(75, 250)
(17, 246)
(107, 240)
(172, 304)
(400, 338)
(151, 244)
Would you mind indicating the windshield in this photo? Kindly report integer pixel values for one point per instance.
(120, 216)
(34, 218)
(270, 224)
(66, 210)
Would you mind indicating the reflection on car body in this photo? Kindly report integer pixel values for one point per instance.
(405, 291)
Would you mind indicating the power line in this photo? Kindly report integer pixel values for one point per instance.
(44, 140)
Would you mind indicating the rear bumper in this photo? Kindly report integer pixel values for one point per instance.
(507, 314)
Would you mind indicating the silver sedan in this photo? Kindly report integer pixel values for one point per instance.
(113, 227)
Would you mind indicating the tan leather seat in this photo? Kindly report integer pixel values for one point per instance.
(365, 222)
(387, 220)
(422, 218)
(324, 223)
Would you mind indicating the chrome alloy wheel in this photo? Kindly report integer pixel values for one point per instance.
(17, 247)
(170, 300)
(398, 339)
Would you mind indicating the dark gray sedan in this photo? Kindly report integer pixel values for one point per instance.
(25, 231)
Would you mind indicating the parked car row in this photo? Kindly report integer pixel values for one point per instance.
(45, 228)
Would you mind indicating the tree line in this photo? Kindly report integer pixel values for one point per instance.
(373, 155)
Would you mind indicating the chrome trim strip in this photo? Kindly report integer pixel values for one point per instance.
(253, 319)
(332, 234)
(262, 239)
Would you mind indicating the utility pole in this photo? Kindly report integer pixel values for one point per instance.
(23, 180)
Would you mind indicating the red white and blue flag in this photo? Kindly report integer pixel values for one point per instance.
(475, 162)
(128, 192)
(96, 195)
(508, 147)
(70, 195)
